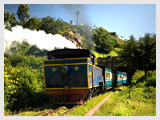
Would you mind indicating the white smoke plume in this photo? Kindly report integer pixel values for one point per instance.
(39, 38)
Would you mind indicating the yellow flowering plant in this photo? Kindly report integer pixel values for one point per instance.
(22, 83)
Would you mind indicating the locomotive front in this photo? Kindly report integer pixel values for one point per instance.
(68, 75)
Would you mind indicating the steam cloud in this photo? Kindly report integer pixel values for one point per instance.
(39, 38)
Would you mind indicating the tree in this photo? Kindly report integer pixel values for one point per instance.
(33, 23)
(147, 53)
(53, 26)
(13, 20)
(128, 55)
(71, 22)
(6, 17)
(139, 55)
(22, 13)
(18, 48)
(60, 26)
(34, 50)
(47, 24)
(103, 40)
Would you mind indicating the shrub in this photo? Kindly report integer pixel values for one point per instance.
(137, 77)
(151, 78)
(23, 78)
(23, 85)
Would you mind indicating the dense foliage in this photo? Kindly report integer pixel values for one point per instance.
(23, 78)
(33, 24)
(23, 13)
(6, 16)
(139, 78)
(139, 54)
(105, 41)
(13, 20)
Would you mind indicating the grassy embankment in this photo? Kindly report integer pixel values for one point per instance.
(81, 110)
(142, 102)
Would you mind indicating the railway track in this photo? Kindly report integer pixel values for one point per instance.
(55, 112)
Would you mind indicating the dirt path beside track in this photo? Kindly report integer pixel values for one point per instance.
(96, 108)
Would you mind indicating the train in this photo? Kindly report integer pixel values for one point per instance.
(71, 76)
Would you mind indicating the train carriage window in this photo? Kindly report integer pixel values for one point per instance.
(107, 75)
(119, 77)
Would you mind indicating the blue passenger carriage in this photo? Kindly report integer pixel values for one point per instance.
(108, 77)
(119, 78)
(124, 78)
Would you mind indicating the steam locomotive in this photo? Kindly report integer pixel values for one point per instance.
(71, 76)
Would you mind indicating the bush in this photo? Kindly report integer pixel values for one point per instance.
(138, 77)
(151, 78)
(23, 78)
(23, 85)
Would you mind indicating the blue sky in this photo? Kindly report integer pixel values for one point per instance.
(124, 19)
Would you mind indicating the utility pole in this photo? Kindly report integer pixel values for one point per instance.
(77, 13)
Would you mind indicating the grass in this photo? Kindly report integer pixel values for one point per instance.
(81, 110)
(31, 112)
(111, 53)
(141, 103)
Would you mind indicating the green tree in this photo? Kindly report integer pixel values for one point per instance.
(71, 22)
(47, 24)
(34, 50)
(128, 54)
(33, 23)
(6, 19)
(13, 20)
(53, 26)
(103, 41)
(139, 55)
(6, 16)
(60, 26)
(18, 48)
(147, 53)
(22, 12)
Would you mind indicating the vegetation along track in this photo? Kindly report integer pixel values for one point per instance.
(60, 111)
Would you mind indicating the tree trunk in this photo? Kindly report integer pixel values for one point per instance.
(145, 75)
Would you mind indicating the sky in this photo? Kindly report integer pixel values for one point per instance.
(124, 19)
